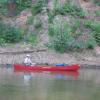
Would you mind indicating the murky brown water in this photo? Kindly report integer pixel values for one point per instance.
(84, 85)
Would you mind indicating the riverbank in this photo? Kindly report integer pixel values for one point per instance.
(16, 54)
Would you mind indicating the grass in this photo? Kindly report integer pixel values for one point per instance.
(9, 34)
(97, 12)
(37, 7)
(32, 39)
(95, 28)
(70, 9)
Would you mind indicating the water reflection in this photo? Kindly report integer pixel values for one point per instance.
(49, 85)
(27, 78)
(65, 74)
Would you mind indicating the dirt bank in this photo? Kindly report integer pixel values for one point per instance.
(16, 54)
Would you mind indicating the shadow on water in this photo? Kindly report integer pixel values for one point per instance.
(6, 65)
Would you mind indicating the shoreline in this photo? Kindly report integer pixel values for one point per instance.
(82, 66)
(41, 55)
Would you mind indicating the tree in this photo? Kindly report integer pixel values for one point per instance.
(11, 5)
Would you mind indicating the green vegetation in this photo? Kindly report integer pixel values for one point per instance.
(76, 25)
(3, 8)
(51, 16)
(37, 7)
(9, 34)
(90, 43)
(66, 32)
(95, 27)
(32, 39)
(20, 5)
(68, 8)
(30, 20)
(3, 1)
(23, 4)
(62, 37)
(88, 23)
(60, 34)
(97, 12)
(97, 2)
(37, 22)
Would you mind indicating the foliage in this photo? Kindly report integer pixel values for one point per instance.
(95, 27)
(97, 37)
(52, 30)
(37, 7)
(9, 34)
(3, 1)
(30, 20)
(69, 9)
(76, 25)
(3, 11)
(32, 38)
(20, 5)
(34, 20)
(97, 2)
(88, 23)
(51, 15)
(90, 42)
(23, 4)
(37, 22)
(62, 37)
(3, 8)
(97, 12)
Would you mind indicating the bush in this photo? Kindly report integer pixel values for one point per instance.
(3, 8)
(97, 37)
(75, 25)
(37, 22)
(30, 20)
(51, 30)
(62, 37)
(3, 1)
(23, 4)
(90, 43)
(37, 7)
(95, 27)
(9, 34)
(97, 2)
(88, 23)
(69, 9)
(97, 12)
(32, 38)
(51, 15)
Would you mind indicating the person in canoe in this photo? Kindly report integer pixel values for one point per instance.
(27, 61)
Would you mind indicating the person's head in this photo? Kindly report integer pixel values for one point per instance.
(28, 56)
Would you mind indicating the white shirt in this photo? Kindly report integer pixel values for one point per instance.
(27, 61)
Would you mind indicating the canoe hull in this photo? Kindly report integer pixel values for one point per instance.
(74, 67)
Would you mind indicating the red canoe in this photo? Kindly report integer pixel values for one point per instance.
(74, 67)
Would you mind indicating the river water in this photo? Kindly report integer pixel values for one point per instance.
(82, 85)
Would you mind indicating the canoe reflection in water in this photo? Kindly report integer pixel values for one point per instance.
(56, 74)
(66, 74)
